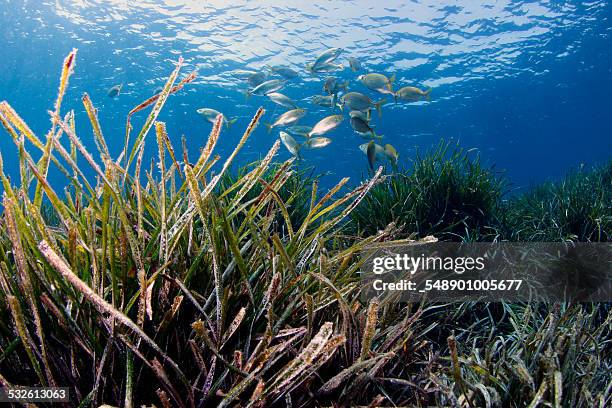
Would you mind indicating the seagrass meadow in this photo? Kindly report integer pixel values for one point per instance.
(177, 285)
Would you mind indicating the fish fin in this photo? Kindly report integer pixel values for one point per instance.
(269, 126)
(230, 122)
(379, 105)
(298, 156)
(391, 81)
(428, 94)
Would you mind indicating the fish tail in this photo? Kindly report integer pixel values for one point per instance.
(379, 105)
(345, 86)
(391, 81)
(269, 126)
(428, 94)
(379, 137)
(300, 146)
(247, 95)
(370, 152)
(230, 122)
(395, 97)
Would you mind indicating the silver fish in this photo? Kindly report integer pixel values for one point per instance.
(326, 57)
(378, 82)
(363, 127)
(317, 142)
(354, 64)
(379, 151)
(332, 86)
(412, 94)
(363, 115)
(300, 130)
(287, 118)
(323, 100)
(285, 72)
(256, 78)
(267, 87)
(242, 73)
(391, 153)
(282, 100)
(360, 102)
(211, 116)
(327, 67)
(114, 91)
(290, 143)
(326, 125)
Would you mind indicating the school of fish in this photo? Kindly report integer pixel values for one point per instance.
(336, 95)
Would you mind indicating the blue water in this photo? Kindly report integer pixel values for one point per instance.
(527, 84)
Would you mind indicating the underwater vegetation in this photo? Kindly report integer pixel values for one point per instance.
(445, 193)
(180, 286)
(579, 208)
(450, 195)
(295, 193)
